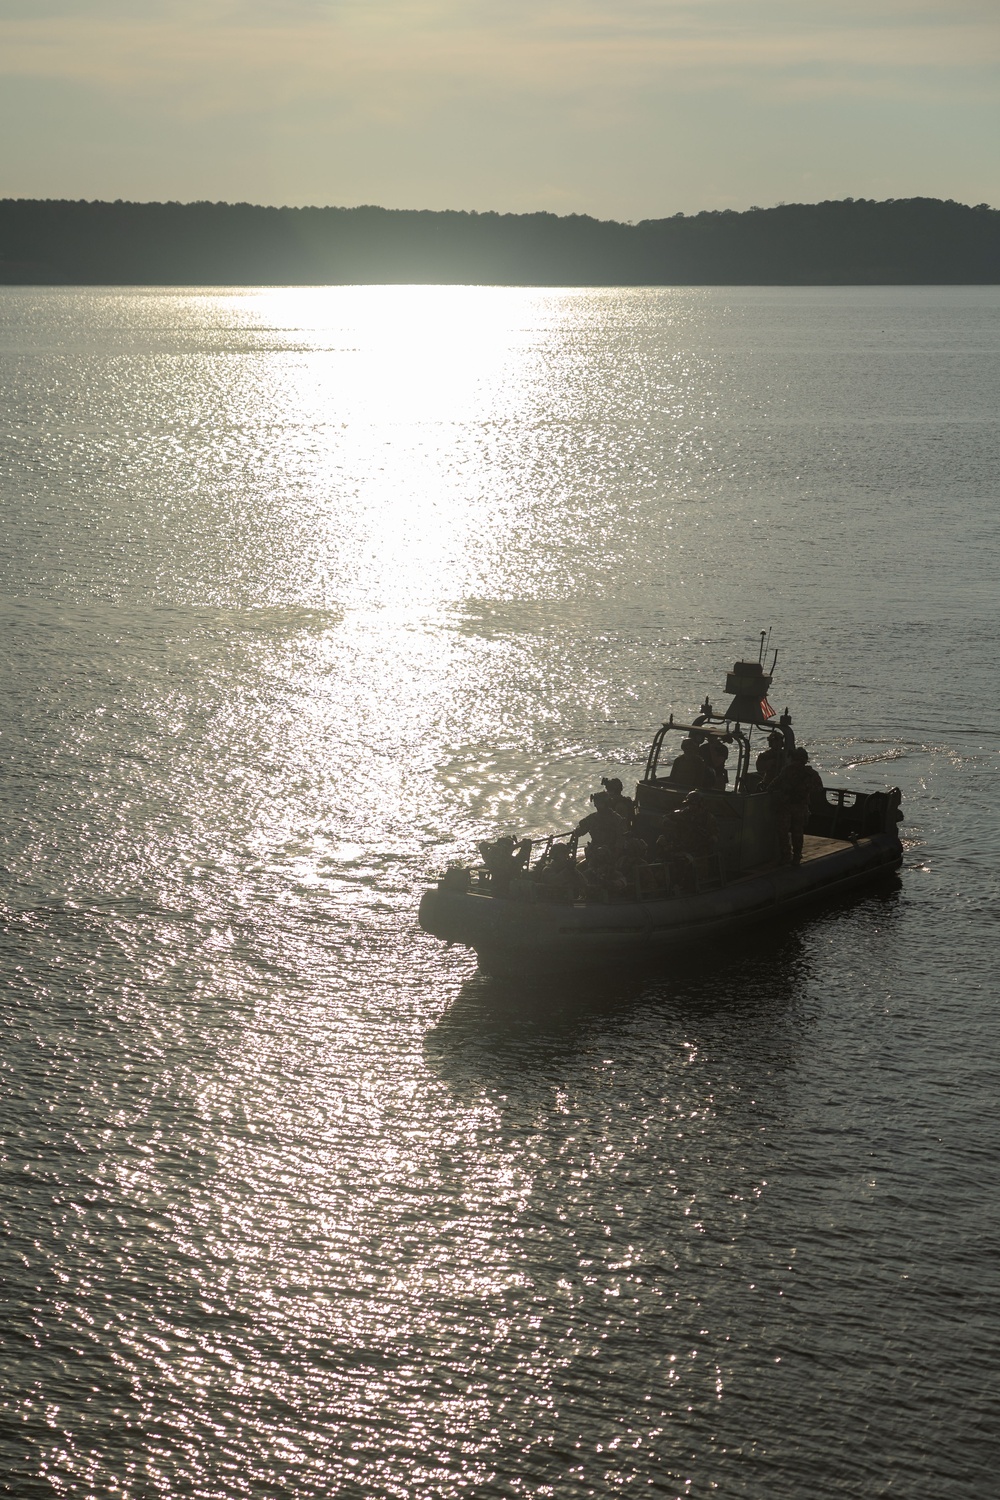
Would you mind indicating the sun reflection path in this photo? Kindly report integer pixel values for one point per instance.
(437, 442)
(432, 374)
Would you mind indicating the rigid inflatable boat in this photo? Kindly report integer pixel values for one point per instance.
(851, 838)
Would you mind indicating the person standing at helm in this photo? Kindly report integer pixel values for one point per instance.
(689, 772)
(714, 754)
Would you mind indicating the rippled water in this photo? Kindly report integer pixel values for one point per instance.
(305, 591)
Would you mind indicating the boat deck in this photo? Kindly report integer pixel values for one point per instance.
(813, 847)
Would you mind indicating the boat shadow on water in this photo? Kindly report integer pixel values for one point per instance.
(744, 984)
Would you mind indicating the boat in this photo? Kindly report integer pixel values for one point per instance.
(851, 838)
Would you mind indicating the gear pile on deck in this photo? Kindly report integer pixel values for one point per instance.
(729, 832)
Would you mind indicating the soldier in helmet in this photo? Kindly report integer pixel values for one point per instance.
(635, 856)
(772, 760)
(606, 828)
(602, 878)
(715, 755)
(691, 827)
(505, 859)
(558, 878)
(795, 789)
(689, 771)
(688, 834)
(617, 801)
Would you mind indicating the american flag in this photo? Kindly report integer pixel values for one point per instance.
(766, 710)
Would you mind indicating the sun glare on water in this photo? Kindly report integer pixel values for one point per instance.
(403, 400)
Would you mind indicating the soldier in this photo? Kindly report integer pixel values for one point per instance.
(794, 789)
(623, 806)
(689, 769)
(770, 761)
(605, 827)
(558, 878)
(715, 755)
(504, 860)
(636, 852)
(603, 881)
(634, 856)
(688, 835)
(691, 828)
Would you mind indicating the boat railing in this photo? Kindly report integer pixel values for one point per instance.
(707, 727)
(653, 880)
(653, 759)
(842, 800)
(481, 879)
(847, 814)
(570, 837)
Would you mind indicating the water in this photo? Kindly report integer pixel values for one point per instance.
(305, 591)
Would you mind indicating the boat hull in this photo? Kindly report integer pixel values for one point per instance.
(512, 937)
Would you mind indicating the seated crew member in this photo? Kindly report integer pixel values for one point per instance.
(689, 770)
(771, 761)
(679, 866)
(558, 878)
(622, 805)
(691, 827)
(604, 825)
(504, 860)
(634, 854)
(795, 789)
(715, 755)
(688, 834)
(602, 879)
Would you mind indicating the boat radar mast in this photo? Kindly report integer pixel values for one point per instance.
(748, 682)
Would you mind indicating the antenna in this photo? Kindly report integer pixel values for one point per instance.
(774, 659)
(760, 653)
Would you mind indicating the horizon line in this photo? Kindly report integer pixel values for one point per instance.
(491, 212)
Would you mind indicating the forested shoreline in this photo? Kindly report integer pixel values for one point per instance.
(844, 242)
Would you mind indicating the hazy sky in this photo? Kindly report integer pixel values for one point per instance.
(619, 108)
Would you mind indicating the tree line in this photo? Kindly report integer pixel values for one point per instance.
(848, 241)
